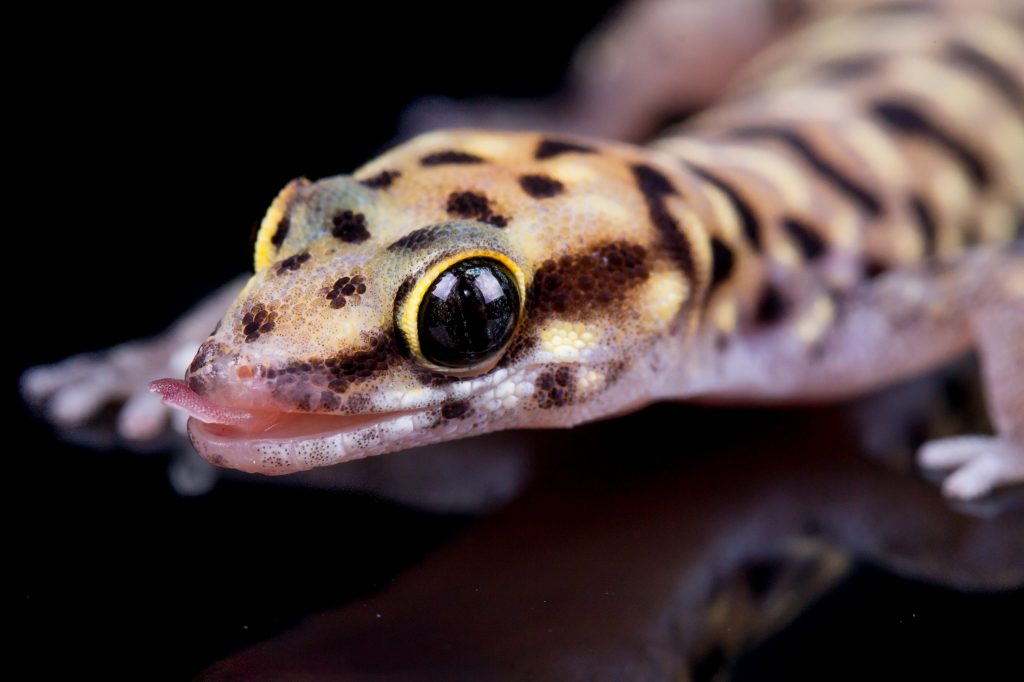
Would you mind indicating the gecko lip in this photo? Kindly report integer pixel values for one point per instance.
(274, 442)
(297, 442)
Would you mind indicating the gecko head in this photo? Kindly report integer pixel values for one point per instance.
(428, 298)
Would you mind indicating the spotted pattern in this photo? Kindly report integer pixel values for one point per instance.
(292, 263)
(807, 239)
(455, 410)
(450, 157)
(337, 373)
(723, 262)
(771, 306)
(541, 186)
(281, 233)
(555, 388)
(382, 180)
(256, 321)
(905, 119)
(549, 148)
(476, 206)
(350, 227)
(577, 285)
(827, 171)
(655, 187)
(417, 239)
(926, 221)
(748, 220)
(346, 291)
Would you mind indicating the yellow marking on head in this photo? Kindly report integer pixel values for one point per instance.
(812, 325)
(265, 250)
(408, 317)
(567, 340)
(666, 291)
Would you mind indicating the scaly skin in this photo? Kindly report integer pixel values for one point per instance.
(845, 217)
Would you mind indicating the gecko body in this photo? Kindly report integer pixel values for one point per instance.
(851, 213)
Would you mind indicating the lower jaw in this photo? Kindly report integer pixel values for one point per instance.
(295, 443)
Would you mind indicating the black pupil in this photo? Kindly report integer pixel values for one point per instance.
(468, 313)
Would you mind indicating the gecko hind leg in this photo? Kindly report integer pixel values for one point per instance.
(982, 463)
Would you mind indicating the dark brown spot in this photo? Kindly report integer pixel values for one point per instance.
(207, 352)
(455, 410)
(906, 120)
(874, 268)
(281, 233)
(652, 182)
(381, 180)
(722, 264)
(751, 225)
(449, 157)
(549, 148)
(418, 239)
(828, 172)
(350, 227)
(292, 263)
(329, 401)
(555, 388)
(337, 373)
(346, 291)
(476, 206)
(807, 239)
(926, 222)
(576, 285)
(256, 321)
(540, 186)
(771, 307)
(655, 187)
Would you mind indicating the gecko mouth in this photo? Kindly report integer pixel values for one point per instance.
(269, 442)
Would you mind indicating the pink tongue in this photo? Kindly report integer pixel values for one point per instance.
(177, 393)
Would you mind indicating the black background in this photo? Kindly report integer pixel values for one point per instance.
(144, 149)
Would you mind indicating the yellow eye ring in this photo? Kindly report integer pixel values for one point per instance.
(408, 313)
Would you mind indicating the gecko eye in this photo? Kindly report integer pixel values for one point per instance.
(468, 313)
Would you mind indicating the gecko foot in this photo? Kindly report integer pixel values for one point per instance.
(73, 392)
(980, 464)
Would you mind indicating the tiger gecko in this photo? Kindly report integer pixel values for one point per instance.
(848, 214)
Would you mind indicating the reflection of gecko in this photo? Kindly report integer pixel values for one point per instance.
(844, 218)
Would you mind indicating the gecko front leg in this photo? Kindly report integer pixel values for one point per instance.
(984, 462)
(74, 390)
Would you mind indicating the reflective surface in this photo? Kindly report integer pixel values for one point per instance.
(676, 543)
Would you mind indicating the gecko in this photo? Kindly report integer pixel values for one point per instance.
(848, 213)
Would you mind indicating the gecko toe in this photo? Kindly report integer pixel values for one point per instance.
(980, 463)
